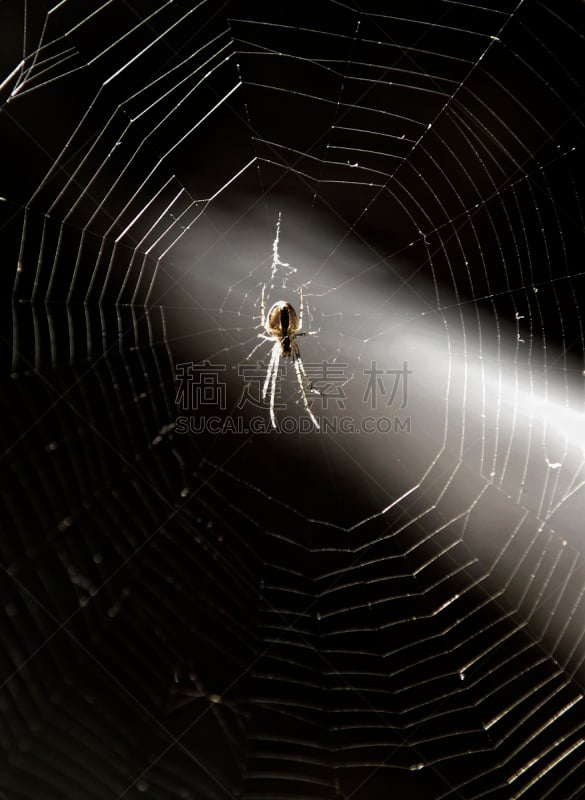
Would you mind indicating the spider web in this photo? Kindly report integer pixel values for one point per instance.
(198, 611)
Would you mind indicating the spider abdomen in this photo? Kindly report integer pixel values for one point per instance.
(282, 319)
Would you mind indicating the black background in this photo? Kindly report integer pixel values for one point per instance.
(268, 616)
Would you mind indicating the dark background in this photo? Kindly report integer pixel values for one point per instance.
(292, 615)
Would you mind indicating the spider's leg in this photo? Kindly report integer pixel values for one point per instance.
(270, 381)
(264, 338)
(300, 370)
(271, 368)
(300, 331)
(301, 367)
(301, 306)
(263, 304)
(276, 357)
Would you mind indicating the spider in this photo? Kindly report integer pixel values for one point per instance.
(282, 326)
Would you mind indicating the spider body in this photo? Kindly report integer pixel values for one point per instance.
(282, 326)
